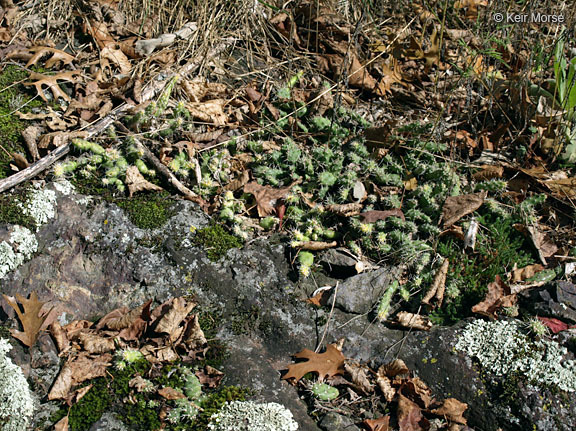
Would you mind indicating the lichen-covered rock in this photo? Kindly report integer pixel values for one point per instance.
(251, 416)
(502, 349)
(16, 246)
(16, 400)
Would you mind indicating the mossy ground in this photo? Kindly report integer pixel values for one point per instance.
(148, 211)
(13, 96)
(216, 241)
(10, 211)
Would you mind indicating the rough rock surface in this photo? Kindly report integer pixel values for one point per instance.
(92, 259)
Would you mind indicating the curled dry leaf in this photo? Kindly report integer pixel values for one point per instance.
(32, 318)
(266, 196)
(438, 286)
(170, 393)
(498, 295)
(192, 335)
(62, 424)
(393, 368)
(314, 245)
(385, 385)
(94, 343)
(59, 335)
(413, 321)
(209, 376)
(522, 274)
(179, 309)
(78, 370)
(456, 207)
(359, 375)
(410, 415)
(345, 210)
(452, 409)
(137, 183)
(374, 216)
(417, 391)
(327, 364)
(380, 424)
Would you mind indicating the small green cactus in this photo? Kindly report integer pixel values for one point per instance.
(324, 392)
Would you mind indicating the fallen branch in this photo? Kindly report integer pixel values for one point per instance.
(116, 114)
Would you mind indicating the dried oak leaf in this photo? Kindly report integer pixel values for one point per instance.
(452, 409)
(266, 197)
(498, 295)
(137, 183)
(380, 424)
(456, 207)
(39, 80)
(414, 321)
(32, 319)
(327, 364)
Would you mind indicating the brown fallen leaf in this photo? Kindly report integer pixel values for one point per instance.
(192, 336)
(266, 196)
(374, 216)
(31, 319)
(141, 384)
(359, 375)
(327, 364)
(416, 390)
(62, 424)
(39, 80)
(30, 135)
(209, 377)
(410, 416)
(94, 343)
(170, 393)
(498, 295)
(76, 371)
(393, 368)
(456, 207)
(413, 321)
(171, 320)
(385, 385)
(438, 286)
(313, 245)
(564, 188)
(542, 242)
(59, 335)
(239, 182)
(137, 183)
(380, 424)
(521, 274)
(345, 210)
(452, 409)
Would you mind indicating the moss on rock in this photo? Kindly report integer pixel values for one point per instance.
(216, 241)
(148, 212)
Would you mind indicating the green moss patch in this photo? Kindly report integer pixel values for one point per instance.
(216, 241)
(11, 213)
(148, 211)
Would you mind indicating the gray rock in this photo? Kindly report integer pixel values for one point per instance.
(334, 421)
(108, 422)
(338, 263)
(359, 294)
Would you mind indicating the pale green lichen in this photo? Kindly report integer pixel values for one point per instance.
(252, 416)
(16, 401)
(20, 246)
(40, 205)
(502, 348)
